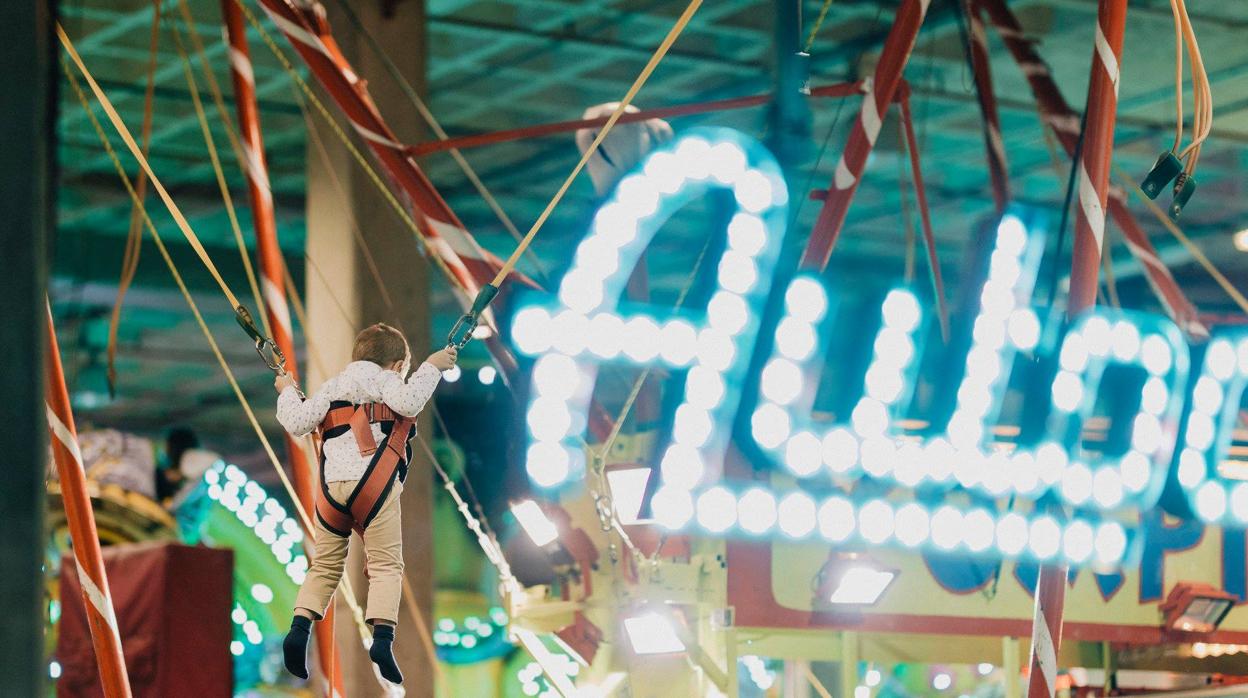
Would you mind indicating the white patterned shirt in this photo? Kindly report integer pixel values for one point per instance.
(359, 383)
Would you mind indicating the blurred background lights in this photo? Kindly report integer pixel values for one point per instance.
(805, 299)
(756, 511)
(803, 454)
(796, 515)
(836, 519)
(717, 510)
(672, 507)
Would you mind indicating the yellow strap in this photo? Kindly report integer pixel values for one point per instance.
(398, 207)
(593, 147)
(224, 186)
(348, 593)
(124, 132)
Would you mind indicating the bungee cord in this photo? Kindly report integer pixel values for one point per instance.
(347, 588)
(434, 125)
(461, 333)
(228, 199)
(265, 347)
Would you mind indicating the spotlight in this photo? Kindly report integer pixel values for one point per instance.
(1194, 607)
(653, 632)
(628, 485)
(540, 529)
(853, 579)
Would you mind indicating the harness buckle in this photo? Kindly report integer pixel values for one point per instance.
(461, 333)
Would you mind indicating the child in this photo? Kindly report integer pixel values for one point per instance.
(363, 465)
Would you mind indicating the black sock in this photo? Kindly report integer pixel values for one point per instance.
(382, 654)
(295, 646)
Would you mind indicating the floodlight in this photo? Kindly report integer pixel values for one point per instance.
(1195, 607)
(653, 632)
(540, 529)
(853, 579)
(628, 491)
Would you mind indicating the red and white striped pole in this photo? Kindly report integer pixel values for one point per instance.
(86, 541)
(998, 166)
(1098, 146)
(880, 90)
(272, 277)
(1093, 175)
(470, 266)
(1046, 631)
(1064, 121)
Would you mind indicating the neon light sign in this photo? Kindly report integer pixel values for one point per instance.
(714, 347)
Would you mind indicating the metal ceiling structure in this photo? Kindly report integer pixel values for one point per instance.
(507, 63)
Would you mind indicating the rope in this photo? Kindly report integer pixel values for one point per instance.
(1107, 262)
(224, 186)
(637, 385)
(398, 207)
(814, 31)
(134, 237)
(124, 132)
(1070, 193)
(593, 147)
(1178, 234)
(427, 114)
(907, 221)
(929, 237)
(348, 592)
(334, 180)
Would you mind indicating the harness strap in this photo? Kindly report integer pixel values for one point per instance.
(341, 416)
(371, 491)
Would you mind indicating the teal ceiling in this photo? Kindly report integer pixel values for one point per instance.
(506, 63)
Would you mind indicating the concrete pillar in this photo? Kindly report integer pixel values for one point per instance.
(342, 298)
(30, 118)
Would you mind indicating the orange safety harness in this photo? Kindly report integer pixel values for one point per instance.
(390, 459)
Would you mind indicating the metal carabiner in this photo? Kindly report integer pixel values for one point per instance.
(269, 352)
(461, 333)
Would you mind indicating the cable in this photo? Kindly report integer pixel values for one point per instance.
(602, 134)
(427, 114)
(1070, 192)
(268, 350)
(134, 237)
(219, 173)
(1192, 248)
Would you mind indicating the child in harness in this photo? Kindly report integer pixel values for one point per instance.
(366, 415)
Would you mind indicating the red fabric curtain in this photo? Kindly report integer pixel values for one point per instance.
(173, 607)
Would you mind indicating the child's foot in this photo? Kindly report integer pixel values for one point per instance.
(382, 653)
(295, 646)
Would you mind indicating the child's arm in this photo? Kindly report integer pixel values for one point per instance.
(297, 415)
(408, 397)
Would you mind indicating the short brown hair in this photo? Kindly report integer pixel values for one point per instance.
(381, 344)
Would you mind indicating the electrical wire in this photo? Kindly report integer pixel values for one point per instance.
(1202, 94)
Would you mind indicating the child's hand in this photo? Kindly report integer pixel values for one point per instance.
(282, 382)
(444, 360)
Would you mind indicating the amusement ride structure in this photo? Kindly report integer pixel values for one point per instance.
(755, 490)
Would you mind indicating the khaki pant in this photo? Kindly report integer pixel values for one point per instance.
(383, 547)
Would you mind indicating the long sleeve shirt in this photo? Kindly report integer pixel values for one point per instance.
(360, 382)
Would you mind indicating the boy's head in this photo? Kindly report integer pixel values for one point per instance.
(382, 345)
